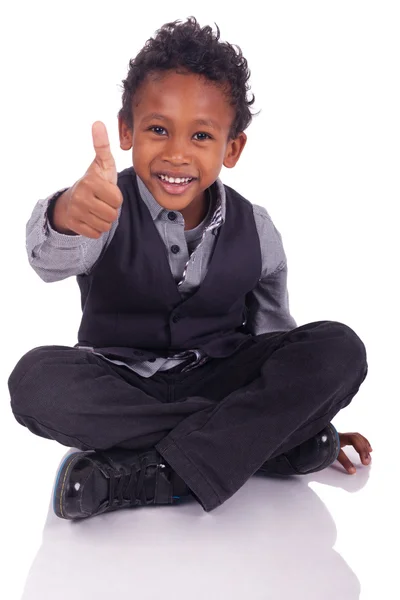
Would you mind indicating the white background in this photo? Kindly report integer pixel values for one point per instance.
(323, 158)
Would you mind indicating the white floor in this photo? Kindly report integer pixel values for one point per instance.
(324, 535)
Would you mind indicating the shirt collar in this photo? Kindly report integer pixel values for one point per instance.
(156, 209)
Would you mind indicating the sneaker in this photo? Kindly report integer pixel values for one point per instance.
(313, 455)
(94, 482)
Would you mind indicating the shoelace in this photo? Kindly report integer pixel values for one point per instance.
(125, 485)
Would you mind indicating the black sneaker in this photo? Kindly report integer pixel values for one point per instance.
(313, 455)
(94, 482)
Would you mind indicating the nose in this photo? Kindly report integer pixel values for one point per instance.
(176, 151)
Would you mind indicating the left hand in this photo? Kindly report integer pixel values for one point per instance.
(360, 443)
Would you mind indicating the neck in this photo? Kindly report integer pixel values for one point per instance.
(196, 211)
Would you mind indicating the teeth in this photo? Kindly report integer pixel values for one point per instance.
(176, 179)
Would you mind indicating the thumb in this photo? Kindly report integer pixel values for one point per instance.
(103, 159)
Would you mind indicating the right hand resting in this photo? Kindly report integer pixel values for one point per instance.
(91, 205)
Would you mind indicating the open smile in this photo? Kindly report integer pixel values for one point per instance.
(175, 186)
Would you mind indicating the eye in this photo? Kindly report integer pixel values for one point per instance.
(153, 127)
(203, 133)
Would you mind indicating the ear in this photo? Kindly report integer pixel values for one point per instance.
(234, 150)
(125, 135)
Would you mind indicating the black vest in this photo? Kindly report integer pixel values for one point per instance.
(131, 304)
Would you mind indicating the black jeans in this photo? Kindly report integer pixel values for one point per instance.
(216, 424)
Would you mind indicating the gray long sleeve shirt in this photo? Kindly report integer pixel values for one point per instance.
(55, 256)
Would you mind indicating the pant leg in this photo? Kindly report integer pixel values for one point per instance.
(271, 396)
(81, 400)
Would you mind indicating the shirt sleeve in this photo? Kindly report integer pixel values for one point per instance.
(268, 303)
(55, 256)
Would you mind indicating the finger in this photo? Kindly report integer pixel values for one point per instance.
(367, 444)
(346, 462)
(363, 438)
(102, 210)
(83, 229)
(97, 223)
(361, 444)
(107, 192)
(101, 144)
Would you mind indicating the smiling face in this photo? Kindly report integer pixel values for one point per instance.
(181, 130)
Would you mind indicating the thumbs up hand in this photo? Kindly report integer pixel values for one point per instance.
(91, 205)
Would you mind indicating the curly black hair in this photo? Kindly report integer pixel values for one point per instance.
(185, 45)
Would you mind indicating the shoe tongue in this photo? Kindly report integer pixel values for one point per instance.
(95, 492)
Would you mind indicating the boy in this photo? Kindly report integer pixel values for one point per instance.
(189, 374)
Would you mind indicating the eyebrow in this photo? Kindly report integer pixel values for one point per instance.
(206, 122)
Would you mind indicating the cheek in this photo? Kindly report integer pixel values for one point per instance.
(215, 157)
(209, 154)
(140, 149)
(144, 149)
(218, 151)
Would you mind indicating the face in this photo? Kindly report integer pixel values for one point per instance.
(181, 126)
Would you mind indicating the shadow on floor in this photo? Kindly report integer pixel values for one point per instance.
(273, 540)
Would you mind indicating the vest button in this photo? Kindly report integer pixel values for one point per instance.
(175, 249)
(176, 318)
(172, 216)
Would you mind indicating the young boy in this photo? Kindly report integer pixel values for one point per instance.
(189, 374)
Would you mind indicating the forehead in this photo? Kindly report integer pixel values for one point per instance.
(183, 96)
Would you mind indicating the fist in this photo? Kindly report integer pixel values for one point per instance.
(91, 205)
